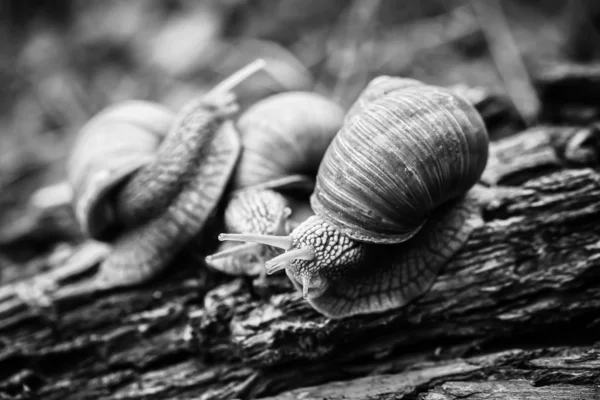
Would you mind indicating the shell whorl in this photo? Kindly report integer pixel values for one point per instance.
(379, 87)
(285, 134)
(403, 151)
(109, 149)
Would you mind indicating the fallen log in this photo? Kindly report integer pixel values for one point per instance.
(528, 278)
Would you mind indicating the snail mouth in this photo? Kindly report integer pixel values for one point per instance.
(282, 261)
(312, 286)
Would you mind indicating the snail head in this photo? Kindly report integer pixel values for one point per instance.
(316, 254)
(255, 211)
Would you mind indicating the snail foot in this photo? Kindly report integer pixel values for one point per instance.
(41, 292)
(398, 273)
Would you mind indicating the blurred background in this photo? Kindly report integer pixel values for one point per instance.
(62, 61)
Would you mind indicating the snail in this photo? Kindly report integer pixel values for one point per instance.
(392, 200)
(147, 192)
(284, 138)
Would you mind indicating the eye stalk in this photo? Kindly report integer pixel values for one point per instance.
(305, 276)
(281, 242)
(252, 212)
(281, 261)
(234, 251)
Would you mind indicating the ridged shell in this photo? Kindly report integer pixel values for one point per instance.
(397, 158)
(285, 134)
(379, 87)
(109, 148)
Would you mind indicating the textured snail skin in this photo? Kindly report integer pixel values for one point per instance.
(377, 88)
(157, 207)
(347, 277)
(152, 188)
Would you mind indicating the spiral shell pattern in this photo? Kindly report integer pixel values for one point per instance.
(400, 154)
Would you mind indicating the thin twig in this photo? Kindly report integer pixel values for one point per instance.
(507, 57)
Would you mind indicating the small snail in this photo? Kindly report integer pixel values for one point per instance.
(149, 193)
(284, 138)
(391, 201)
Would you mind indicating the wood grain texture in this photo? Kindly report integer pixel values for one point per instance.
(517, 374)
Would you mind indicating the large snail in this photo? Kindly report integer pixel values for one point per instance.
(391, 201)
(284, 138)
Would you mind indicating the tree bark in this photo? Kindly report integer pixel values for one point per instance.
(550, 373)
(526, 282)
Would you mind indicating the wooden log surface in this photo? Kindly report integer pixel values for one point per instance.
(525, 283)
(549, 373)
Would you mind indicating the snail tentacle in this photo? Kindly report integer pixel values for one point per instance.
(230, 83)
(234, 251)
(167, 201)
(281, 242)
(254, 211)
(280, 228)
(278, 263)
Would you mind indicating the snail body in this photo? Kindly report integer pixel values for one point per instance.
(284, 138)
(147, 180)
(391, 200)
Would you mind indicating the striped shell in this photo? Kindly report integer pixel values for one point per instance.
(285, 134)
(405, 149)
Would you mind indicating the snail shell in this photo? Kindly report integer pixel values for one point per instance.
(285, 134)
(409, 149)
(392, 202)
